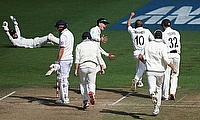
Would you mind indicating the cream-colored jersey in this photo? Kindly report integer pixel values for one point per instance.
(155, 54)
(88, 54)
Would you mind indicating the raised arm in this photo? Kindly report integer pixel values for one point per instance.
(129, 20)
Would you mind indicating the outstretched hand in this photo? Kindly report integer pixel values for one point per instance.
(104, 39)
(111, 56)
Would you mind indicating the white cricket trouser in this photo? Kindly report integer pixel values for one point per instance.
(171, 79)
(140, 68)
(63, 75)
(155, 86)
(87, 81)
(38, 41)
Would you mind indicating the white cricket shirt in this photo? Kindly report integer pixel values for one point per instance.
(172, 39)
(66, 41)
(95, 33)
(140, 37)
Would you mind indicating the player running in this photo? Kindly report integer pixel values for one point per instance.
(156, 60)
(140, 37)
(171, 38)
(87, 57)
(17, 40)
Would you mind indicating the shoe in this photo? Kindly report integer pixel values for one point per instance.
(154, 98)
(85, 104)
(133, 86)
(61, 102)
(172, 97)
(140, 84)
(92, 100)
(164, 99)
(156, 110)
(50, 36)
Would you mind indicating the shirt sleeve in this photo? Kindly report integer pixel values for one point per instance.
(63, 41)
(165, 55)
(77, 59)
(94, 35)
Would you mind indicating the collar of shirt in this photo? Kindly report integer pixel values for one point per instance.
(64, 30)
(85, 40)
(168, 28)
(158, 40)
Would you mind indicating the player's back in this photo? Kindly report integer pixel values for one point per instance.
(140, 37)
(171, 38)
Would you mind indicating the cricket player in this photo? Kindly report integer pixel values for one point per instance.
(88, 56)
(64, 59)
(17, 40)
(140, 37)
(171, 38)
(97, 38)
(156, 60)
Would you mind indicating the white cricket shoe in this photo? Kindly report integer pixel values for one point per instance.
(133, 86)
(140, 84)
(156, 110)
(61, 102)
(154, 98)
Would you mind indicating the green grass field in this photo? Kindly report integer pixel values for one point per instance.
(22, 67)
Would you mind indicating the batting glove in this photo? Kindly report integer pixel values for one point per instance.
(56, 67)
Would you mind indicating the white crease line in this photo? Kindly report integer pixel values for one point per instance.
(121, 99)
(7, 95)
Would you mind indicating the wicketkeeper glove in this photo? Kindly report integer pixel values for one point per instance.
(5, 26)
(13, 20)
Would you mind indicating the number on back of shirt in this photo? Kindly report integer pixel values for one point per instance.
(173, 42)
(139, 40)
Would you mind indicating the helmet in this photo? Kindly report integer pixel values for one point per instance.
(61, 22)
(86, 35)
(158, 34)
(12, 32)
(102, 20)
(166, 23)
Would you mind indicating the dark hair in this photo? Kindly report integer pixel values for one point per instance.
(86, 35)
(12, 32)
(138, 23)
(166, 23)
